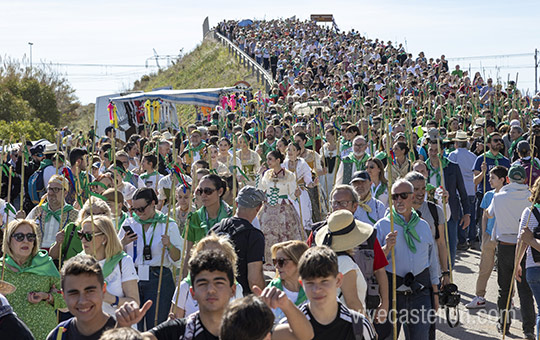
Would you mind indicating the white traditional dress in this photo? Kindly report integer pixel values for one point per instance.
(302, 172)
(278, 218)
(250, 165)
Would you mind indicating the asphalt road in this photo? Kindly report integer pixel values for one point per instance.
(476, 324)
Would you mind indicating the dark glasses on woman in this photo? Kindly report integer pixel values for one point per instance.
(206, 191)
(141, 209)
(88, 236)
(280, 262)
(403, 195)
(19, 237)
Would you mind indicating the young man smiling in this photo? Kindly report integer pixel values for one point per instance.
(83, 288)
(212, 280)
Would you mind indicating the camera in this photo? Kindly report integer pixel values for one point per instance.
(147, 253)
(449, 296)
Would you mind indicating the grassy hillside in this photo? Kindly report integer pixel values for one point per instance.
(208, 66)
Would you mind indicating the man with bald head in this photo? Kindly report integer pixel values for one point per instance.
(355, 161)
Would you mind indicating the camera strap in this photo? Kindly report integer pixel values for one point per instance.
(152, 238)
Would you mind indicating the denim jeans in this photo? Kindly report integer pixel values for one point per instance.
(505, 267)
(471, 232)
(533, 279)
(148, 291)
(452, 238)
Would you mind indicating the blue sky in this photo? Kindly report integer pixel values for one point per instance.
(126, 32)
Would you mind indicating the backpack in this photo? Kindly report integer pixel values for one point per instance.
(526, 164)
(36, 186)
(536, 232)
(358, 324)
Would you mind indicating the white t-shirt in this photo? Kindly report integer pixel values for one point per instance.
(188, 304)
(345, 265)
(115, 280)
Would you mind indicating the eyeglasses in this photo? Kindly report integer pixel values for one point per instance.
(359, 145)
(54, 190)
(206, 191)
(141, 209)
(498, 140)
(342, 204)
(88, 236)
(403, 195)
(280, 262)
(19, 237)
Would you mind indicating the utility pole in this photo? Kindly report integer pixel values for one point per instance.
(535, 71)
(30, 43)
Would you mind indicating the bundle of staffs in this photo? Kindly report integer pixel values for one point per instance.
(170, 205)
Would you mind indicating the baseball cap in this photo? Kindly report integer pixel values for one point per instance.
(517, 173)
(250, 197)
(360, 176)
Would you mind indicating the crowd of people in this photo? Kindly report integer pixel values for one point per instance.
(340, 220)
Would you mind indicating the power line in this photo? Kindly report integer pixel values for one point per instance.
(101, 65)
(494, 56)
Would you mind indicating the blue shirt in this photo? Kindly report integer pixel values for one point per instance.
(490, 165)
(377, 212)
(486, 201)
(466, 160)
(407, 261)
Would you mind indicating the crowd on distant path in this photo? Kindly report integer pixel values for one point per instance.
(331, 207)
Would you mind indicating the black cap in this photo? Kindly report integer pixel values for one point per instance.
(360, 175)
(523, 146)
(37, 149)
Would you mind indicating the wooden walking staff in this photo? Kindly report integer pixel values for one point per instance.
(173, 186)
(5, 226)
(183, 259)
(393, 251)
(302, 231)
(23, 145)
(440, 155)
(518, 256)
(235, 170)
(319, 194)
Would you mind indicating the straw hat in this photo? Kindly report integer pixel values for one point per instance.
(342, 232)
(461, 136)
(50, 149)
(6, 288)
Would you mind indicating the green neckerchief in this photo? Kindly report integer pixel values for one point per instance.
(430, 186)
(56, 214)
(495, 158)
(409, 229)
(380, 190)
(360, 164)
(271, 147)
(537, 206)
(128, 176)
(41, 264)
(199, 225)
(158, 218)
(301, 298)
(442, 163)
(109, 265)
(345, 144)
(45, 163)
(197, 148)
(121, 220)
(513, 146)
(145, 175)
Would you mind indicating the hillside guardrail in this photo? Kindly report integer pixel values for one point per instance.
(263, 76)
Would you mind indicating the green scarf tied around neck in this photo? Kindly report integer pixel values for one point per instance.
(409, 229)
(443, 162)
(111, 263)
(56, 214)
(513, 146)
(41, 264)
(495, 158)
(158, 218)
(45, 163)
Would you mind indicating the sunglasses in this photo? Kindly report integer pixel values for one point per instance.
(403, 195)
(280, 262)
(342, 204)
(19, 237)
(498, 140)
(141, 209)
(54, 190)
(206, 191)
(88, 236)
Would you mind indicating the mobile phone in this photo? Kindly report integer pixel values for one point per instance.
(128, 229)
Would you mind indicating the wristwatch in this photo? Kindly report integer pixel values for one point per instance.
(115, 304)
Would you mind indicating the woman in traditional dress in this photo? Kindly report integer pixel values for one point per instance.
(251, 161)
(99, 239)
(400, 165)
(379, 184)
(183, 206)
(34, 274)
(215, 164)
(302, 171)
(278, 218)
(281, 145)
